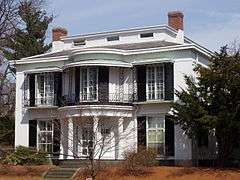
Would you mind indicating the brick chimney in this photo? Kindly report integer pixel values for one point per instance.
(175, 20)
(58, 32)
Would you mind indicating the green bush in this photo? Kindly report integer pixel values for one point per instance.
(26, 156)
(136, 163)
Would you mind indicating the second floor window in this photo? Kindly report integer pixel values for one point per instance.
(155, 82)
(88, 82)
(44, 94)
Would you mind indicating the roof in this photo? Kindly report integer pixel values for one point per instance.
(143, 45)
(121, 31)
(51, 54)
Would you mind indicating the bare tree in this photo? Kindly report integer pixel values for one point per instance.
(100, 135)
(7, 102)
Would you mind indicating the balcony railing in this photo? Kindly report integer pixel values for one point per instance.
(41, 101)
(45, 101)
(121, 98)
(72, 99)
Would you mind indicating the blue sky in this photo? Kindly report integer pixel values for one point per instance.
(211, 23)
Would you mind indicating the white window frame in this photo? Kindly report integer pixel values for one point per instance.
(156, 91)
(88, 87)
(44, 131)
(26, 92)
(37, 94)
(156, 128)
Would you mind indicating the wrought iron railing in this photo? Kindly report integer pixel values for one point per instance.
(41, 101)
(72, 99)
(120, 97)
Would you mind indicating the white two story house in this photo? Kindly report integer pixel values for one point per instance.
(123, 77)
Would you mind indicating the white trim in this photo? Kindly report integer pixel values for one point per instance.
(94, 62)
(152, 61)
(97, 107)
(79, 51)
(42, 70)
(118, 32)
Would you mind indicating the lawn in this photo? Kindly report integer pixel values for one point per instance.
(19, 178)
(178, 173)
(169, 173)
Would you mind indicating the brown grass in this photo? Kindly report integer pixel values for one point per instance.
(172, 173)
(10, 170)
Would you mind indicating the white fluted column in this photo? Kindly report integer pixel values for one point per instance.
(96, 136)
(120, 143)
(70, 138)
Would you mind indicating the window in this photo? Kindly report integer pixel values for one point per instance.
(156, 134)
(45, 136)
(155, 82)
(44, 89)
(80, 42)
(88, 78)
(146, 35)
(113, 38)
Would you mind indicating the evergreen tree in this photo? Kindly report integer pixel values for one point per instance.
(29, 37)
(212, 102)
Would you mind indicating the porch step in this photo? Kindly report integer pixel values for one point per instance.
(63, 173)
(83, 163)
(73, 163)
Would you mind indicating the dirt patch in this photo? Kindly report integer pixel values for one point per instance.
(172, 173)
(10, 170)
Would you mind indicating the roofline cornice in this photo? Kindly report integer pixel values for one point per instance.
(112, 51)
(121, 31)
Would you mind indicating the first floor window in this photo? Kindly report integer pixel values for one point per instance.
(89, 79)
(45, 135)
(155, 82)
(156, 134)
(44, 89)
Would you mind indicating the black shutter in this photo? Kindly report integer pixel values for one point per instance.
(141, 83)
(56, 137)
(77, 83)
(169, 81)
(141, 131)
(32, 133)
(58, 88)
(103, 84)
(169, 136)
(32, 89)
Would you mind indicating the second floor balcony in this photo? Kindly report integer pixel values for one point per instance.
(89, 98)
(100, 85)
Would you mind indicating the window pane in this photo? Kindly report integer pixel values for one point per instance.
(49, 147)
(159, 82)
(151, 123)
(49, 125)
(157, 147)
(160, 122)
(156, 134)
(41, 125)
(151, 135)
(45, 136)
(83, 84)
(92, 83)
(155, 82)
(160, 136)
(88, 84)
(42, 137)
